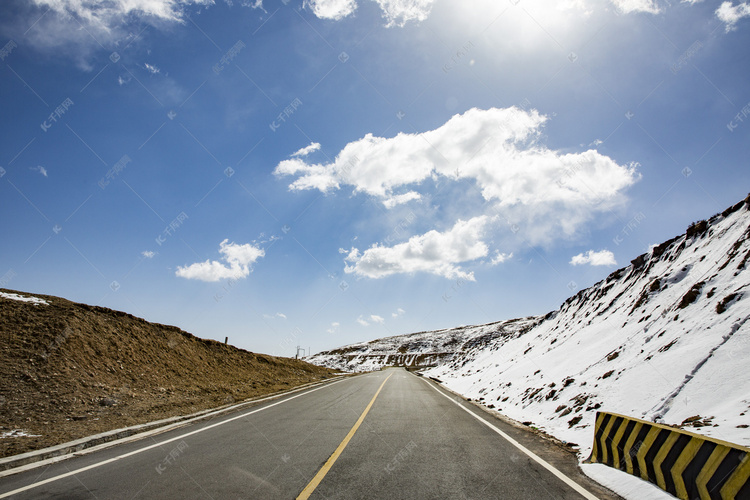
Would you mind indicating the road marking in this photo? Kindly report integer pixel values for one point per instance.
(329, 463)
(577, 487)
(141, 450)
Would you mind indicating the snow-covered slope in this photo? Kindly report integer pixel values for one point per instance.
(666, 338)
(423, 349)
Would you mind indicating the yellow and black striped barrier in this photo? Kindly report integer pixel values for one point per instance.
(687, 465)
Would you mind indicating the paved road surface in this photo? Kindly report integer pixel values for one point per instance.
(412, 441)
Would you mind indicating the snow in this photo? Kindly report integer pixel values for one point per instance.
(625, 485)
(633, 346)
(17, 433)
(21, 298)
(664, 339)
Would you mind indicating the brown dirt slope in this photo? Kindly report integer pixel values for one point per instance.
(70, 370)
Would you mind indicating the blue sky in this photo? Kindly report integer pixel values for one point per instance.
(333, 171)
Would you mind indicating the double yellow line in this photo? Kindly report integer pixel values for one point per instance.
(329, 463)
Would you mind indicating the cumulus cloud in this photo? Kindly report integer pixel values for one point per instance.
(78, 28)
(362, 321)
(395, 12)
(399, 312)
(499, 258)
(334, 327)
(433, 252)
(400, 12)
(148, 254)
(377, 319)
(314, 146)
(630, 6)
(236, 262)
(730, 14)
(600, 258)
(400, 199)
(546, 192)
(331, 9)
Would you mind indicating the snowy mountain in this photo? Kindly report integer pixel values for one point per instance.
(666, 338)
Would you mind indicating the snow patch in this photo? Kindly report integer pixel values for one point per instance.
(21, 298)
(16, 433)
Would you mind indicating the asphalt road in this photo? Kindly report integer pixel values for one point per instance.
(413, 441)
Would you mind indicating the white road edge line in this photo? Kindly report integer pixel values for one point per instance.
(577, 487)
(155, 445)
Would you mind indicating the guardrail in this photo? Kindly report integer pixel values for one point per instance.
(685, 464)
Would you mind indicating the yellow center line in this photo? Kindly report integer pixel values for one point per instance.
(327, 466)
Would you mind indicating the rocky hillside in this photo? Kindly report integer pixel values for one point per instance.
(69, 370)
(420, 350)
(666, 338)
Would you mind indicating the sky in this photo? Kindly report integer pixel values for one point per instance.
(317, 173)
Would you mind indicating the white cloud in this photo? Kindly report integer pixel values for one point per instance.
(362, 321)
(78, 28)
(730, 14)
(39, 169)
(549, 194)
(400, 199)
(432, 252)
(399, 312)
(237, 260)
(399, 12)
(331, 9)
(377, 319)
(499, 258)
(148, 254)
(630, 6)
(314, 146)
(396, 12)
(152, 69)
(600, 258)
(334, 327)
(274, 316)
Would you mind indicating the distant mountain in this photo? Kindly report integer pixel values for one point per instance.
(666, 338)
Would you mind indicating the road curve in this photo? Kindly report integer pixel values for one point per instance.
(387, 434)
